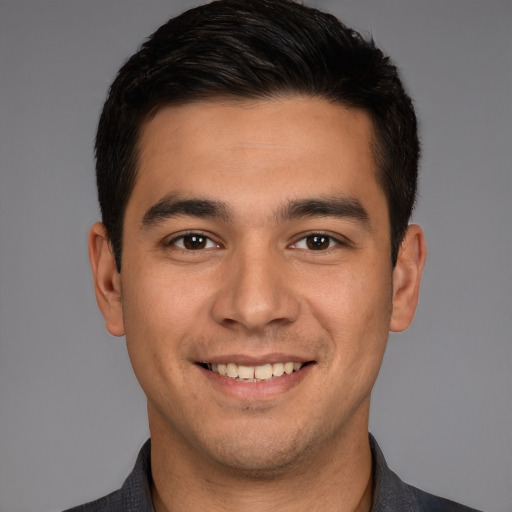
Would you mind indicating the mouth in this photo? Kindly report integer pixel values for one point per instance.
(259, 373)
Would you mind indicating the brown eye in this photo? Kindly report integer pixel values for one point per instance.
(318, 242)
(194, 242)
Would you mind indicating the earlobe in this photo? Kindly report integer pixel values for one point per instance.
(407, 278)
(107, 281)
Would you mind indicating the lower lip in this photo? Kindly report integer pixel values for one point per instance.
(256, 391)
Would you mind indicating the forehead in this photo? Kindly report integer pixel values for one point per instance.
(257, 120)
(271, 147)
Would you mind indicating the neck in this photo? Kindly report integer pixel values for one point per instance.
(336, 478)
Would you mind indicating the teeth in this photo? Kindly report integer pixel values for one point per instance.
(288, 368)
(263, 372)
(278, 369)
(254, 373)
(246, 372)
(232, 370)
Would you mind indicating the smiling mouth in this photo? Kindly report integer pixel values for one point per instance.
(260, 373)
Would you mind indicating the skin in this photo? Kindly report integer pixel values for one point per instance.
(258, 291)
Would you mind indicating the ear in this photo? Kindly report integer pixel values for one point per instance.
(107, 280)
(407, 278)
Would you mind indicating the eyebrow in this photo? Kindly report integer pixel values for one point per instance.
(173, 205)
(331, 206)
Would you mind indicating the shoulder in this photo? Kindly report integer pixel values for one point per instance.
(429, 503)
(111, 502)
(391, 493)
(133, 496)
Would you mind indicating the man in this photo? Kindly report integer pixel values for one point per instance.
(257, 168)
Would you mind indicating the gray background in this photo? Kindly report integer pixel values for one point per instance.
(71, 414)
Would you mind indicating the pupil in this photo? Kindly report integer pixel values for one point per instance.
(193, 242)
(317, 242)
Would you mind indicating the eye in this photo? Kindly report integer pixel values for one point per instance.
(193, 242)
(316, 242)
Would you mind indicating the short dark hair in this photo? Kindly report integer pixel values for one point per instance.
(256, 49)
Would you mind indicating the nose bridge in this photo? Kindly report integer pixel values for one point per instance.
(256, 292)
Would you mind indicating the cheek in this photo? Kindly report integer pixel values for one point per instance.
(161, 303)
(159, 312)
(351, 298)
(160, 321)
(354, 309)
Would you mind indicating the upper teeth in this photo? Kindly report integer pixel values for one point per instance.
(254, 373)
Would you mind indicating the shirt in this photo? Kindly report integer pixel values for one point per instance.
(390, 493)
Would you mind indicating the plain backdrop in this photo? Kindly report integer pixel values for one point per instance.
(72, 416)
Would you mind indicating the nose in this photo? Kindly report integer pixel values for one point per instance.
(256, 293)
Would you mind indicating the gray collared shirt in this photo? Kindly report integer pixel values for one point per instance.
(390, 493)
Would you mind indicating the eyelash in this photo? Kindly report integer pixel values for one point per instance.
(193, 234)
(331, 240)
(211, 244)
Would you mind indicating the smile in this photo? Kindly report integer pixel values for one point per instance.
(258, 373)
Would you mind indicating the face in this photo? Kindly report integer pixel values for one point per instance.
(256, 291)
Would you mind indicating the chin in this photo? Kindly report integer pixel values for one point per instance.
(259, 464)
(261, 455)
